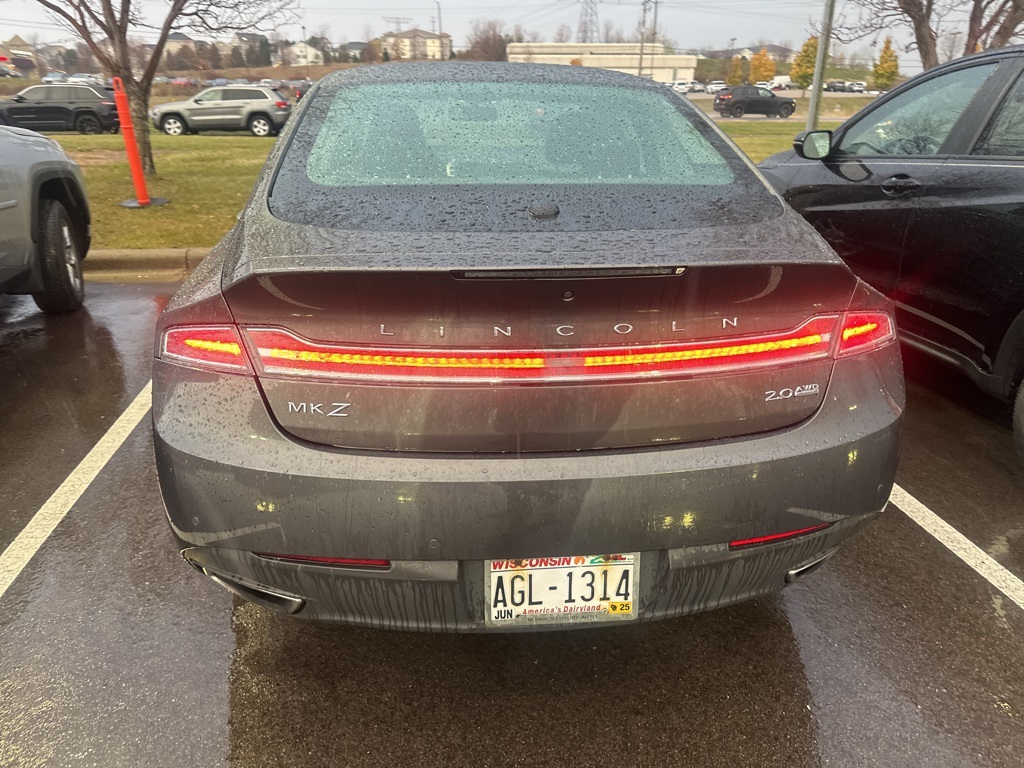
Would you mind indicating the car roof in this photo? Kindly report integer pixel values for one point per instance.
(483, 72)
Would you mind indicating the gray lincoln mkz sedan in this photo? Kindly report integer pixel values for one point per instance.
(512, 347)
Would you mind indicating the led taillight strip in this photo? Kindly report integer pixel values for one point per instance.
(216, 347)
(705, 353)
(400, 361)
(282, 352)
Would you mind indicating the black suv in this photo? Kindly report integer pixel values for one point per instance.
(921, 193)
(743, 99)
(62, 107)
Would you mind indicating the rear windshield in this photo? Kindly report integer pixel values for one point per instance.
(531, 140)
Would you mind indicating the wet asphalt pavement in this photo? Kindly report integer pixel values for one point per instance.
(114, 653)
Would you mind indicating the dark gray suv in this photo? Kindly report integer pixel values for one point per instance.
(261, 111)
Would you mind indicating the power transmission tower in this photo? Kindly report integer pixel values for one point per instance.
(588, 30)
(398, 21)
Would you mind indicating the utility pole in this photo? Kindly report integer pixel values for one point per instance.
(654, 37)
(819, 66)
(440, 32)
(643, 34)
(305, 51)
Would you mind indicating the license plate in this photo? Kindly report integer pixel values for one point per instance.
(562, 590)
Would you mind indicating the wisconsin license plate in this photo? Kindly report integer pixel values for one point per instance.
(562, 590)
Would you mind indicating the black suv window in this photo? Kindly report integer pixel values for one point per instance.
(917, 121)
(53, 93)
(81, 93)
(1005, 134)
(36, 93)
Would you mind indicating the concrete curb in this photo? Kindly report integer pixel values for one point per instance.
(144, 260)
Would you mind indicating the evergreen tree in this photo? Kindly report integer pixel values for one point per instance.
(887, 68)
(237, 57)
(802, 70)
(264, 52)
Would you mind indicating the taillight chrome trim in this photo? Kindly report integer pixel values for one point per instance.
(280, 352)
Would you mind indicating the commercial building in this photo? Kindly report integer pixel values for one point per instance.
(657, 64)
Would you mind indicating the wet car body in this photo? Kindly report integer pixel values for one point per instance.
(45, 223)
(441, 382)
(927, 210)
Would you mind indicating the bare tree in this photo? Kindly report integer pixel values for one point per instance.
(104, 27)
(990, 23)
(612, 33)
(520, 34)
(487, 40)
(42, 65)
(563, 34)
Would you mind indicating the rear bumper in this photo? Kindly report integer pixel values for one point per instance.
(449, 596)
(234, 484)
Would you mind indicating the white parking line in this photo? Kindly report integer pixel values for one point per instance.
(23, 548)
(960, 545)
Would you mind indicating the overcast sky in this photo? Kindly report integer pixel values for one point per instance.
(690, 23)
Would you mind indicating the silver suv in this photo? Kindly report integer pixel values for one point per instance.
(257, 109)
(44, 221)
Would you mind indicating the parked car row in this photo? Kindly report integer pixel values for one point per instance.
(846, 87)
(769, 374)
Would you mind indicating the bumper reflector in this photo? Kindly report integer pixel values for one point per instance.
(345, 562)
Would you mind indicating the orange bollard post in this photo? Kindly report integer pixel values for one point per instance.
(134, 161)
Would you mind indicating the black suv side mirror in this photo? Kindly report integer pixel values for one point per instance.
(813, 145)
(18, 98)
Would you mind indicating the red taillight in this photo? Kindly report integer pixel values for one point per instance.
(725, 96)
(107, 103)
(280, 104)
(771, 537)
(346, 562)
(864, 331)
(282, 352)
(212, 346)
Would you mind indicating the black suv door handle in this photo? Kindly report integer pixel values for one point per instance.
(899, 184)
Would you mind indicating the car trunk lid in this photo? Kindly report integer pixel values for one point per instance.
(540, 359)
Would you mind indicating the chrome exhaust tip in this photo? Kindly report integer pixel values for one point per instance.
(794, 575)
(273, 599)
